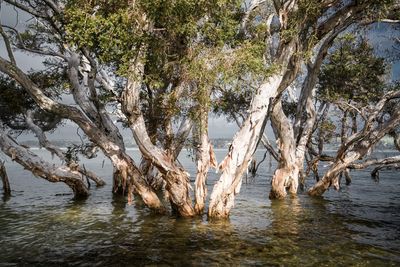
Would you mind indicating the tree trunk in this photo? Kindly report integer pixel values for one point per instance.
(4, 178)
(113, 150)
(154, 178)
(331, 177)
(358, 145)
(204, 159)
(241, 150)
(286, 175)
(177, 180)
(131, 180)
(44, 142)
(38, 167)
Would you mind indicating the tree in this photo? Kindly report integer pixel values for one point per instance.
(20, 113)
(305, 27)
(156, 64)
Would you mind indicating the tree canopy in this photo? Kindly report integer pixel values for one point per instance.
(161, 67)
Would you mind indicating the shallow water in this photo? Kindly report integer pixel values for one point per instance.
(360, 225)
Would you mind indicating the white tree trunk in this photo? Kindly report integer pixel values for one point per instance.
(287, 173)
(120, 160)
(39, 167)
(241, 150)
(177, 179)
(204, 159)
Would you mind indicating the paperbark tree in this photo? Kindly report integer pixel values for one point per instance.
(303, 25)
(360, 144)
(91, 116)
(134, 57)
(356, 96)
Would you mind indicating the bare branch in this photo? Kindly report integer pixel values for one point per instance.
(20, 45)
(367, 163)
(8, 46)
(53, 6)
(43, 141)
(25, 8)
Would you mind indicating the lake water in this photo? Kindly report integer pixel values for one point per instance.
(360, 225)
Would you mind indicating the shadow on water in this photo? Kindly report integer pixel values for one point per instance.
(300, 231)
(5, 197)
(354, 227)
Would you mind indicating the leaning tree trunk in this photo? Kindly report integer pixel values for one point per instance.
(44, 142)
(38, 167)
(304, 125)
(113, 150)
(358, 145)
(131, 181)
(241, 150)
(176, 178)
(287, 173)
(331, 176)
(174, 148)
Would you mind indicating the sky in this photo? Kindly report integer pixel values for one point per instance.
(218, 127)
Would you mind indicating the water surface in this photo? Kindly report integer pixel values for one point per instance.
(360, 225)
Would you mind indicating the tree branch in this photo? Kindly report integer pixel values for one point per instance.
(8, 45)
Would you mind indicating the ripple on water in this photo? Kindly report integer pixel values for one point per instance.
(41, 225)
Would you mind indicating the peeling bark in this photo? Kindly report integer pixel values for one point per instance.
(148, 169)
(241, 150)
(286, 175)
(44, 142)
(43, 169)
(264, 141)
(204, 159)
(177, 180)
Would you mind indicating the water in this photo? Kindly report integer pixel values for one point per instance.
(42, 225)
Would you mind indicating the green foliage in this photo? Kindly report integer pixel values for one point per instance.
(165, 30)
(289, 107)
(327, 130)
(377, 9)
(307, 13)
(111, 36)
(232, 103)
(15, 101)
(352, 72)
(88, 150)
(194, 43)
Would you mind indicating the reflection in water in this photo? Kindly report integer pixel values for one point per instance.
(355, 227)
(286, 215)
(5, 197)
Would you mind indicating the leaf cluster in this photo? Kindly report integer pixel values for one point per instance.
(352, 72)
(15, 102)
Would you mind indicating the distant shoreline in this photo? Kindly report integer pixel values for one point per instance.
(225, 149)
